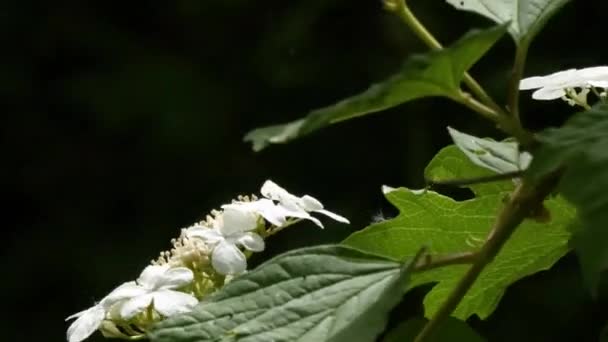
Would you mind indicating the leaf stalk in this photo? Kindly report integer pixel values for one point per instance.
(429, 262)
(483, 104)
(408, 17)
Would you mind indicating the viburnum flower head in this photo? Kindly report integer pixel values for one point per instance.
(168, 286)
(231, 228)
(563, 84)
(155, 288)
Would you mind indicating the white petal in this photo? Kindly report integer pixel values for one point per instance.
(301, 214)
(209, 235)
(86, 324)
(594, 73)
(169, 302)
(548, 93)
(272, 212)
(275, 192)
(150, 275)
(275, 216)
(333, 216)
(237, 221)
(125, 291)
(228, 259)
(292, 204)
(264, 207)
(174, 278)
(78, 314)
(271, 190)
(135, 305)
(532, 83)
(251, 241)
(310, 203)
(599, 83)
(557, 79)
(314, 220)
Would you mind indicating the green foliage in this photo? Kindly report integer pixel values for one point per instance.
(326, 293)
(437, 73)
(451, 163)
(448, 226)
(526, 17)
(581, 148)
(500, 157)
(451, 330)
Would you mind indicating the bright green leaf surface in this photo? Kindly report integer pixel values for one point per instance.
(448, 226)
(482, 160)
(451, 330)
(437, 73)
(326, 293)
(526, 17)
(451, 163)
(581, 146)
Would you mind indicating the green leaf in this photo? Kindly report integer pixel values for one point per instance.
(448, 226)
(451, 330)
(498, 156)
(437, 73)
(451, 162)
(581, 147)
(474, 157)
(526, 17)
(326, 293)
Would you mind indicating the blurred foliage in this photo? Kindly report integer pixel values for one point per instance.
(123, 122)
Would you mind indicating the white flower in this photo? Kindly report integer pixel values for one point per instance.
(552, 86)
(562, 84)
(298, 207)
(595, 76)
(265, 207)
(88, 321)
(156, 287)
(153, 287)
(91, 319)
(231, 228)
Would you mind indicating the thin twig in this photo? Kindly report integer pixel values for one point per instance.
(430, 262)
(488, 108)
(417, 259)
(420, 30)
(468, 100)
(521, 54)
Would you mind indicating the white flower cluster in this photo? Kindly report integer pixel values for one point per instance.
(203, 258)
(572, 85)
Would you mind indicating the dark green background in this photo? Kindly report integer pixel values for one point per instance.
(124, 122)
